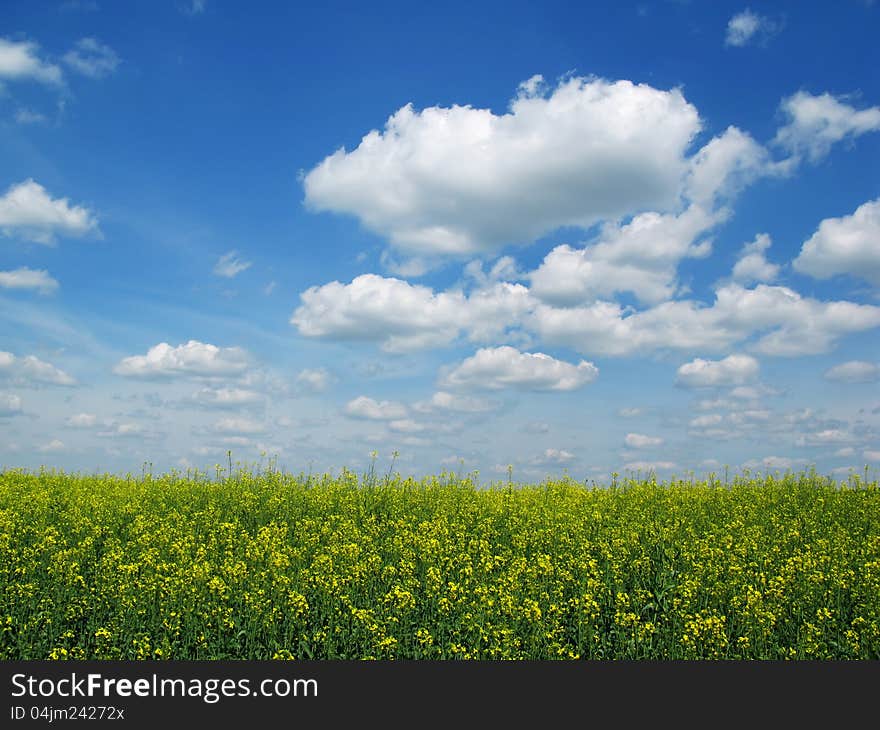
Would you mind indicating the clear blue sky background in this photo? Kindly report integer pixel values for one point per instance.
(162, 136)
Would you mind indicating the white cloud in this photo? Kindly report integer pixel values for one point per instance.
(10, 405)
(872, 455)
(237, 426)
(556, 456)
(30, 370)
(629, 412)
(27, 210)
(19, 60)
(854, 371)
(845, 452)
(192, 359)
(507, 367)
(732, 370)
(443, 401)
(846, 245)
(82, 420)
(229, 265)
(640, 257)
(818, 122)
(406, 425)
(823, 437)
(226, 397)
(752, 266)
(53, 445)
(747, 26)
(649, 466)
(29, 116)
(24, 278)
(774, 462)
(460, 180)
(92, 58)
(364, 407)
(792, 324)
(314, 380)
(640, 441)
(713, 419)
(127, 430)
(393, 312)
(725, 165)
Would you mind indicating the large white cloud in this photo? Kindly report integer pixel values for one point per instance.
(460, 180)
(20, 60)
(640, 257)
(506, 367)
(191, 359)
(27, 210)
(365, 407)
(817, 122)
(732, 370)
(401, 316)
(789, 323)
(854, 371)
(846, 245)
(25, 278)
(30, 370)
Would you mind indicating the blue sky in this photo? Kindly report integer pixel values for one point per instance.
(567, 238)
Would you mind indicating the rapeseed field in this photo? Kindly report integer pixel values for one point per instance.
(274, 566)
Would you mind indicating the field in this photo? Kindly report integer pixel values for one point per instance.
(274, 566)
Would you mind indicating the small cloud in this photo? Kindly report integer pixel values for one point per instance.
(872, 455)
(229, 265)
(367, 408)
(269, 288)
(10, 405)
(854, 371)
(640, 441)
(649, 466)
(732, 370)
(191, 359)
(82, 420)
(314, 380)
(27, 210)
(25, 278)
(31, 371)
(28, 116)
(19, 60)
(53, 445)
(92, 58)
(629, 412)
(747, 26)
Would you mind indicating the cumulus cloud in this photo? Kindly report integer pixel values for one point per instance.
(747, 26)
(649, 466)
(30, 370)
(314, 380)
(10, 405)
(854, 371)
(25, 278)
(640, 257)
(460, 180)
(191, 359)
(443, 401)
(53, 445)
(19, 60)
(237, 426)
(27, 210)
(495, 368)
(725, 165)
(229, 265)
(82, 420)
(640, 441)
(846, 245)
(226, 398)
(92, 58)
(732, 370)
(367, 408)
(817, 122)
(791, 324)
(752, 265)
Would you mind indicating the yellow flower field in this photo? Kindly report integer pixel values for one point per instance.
(273, 566)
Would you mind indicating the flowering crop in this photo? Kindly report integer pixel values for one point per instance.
(264, 566)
